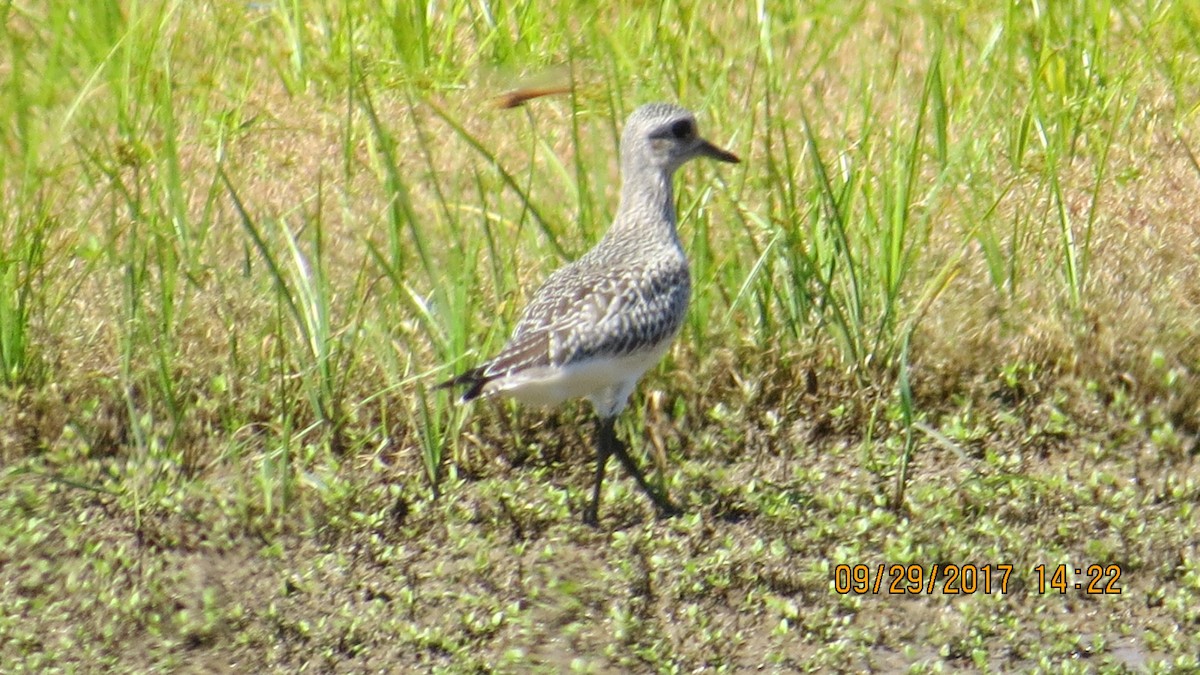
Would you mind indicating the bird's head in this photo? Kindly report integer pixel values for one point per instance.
(663, 135)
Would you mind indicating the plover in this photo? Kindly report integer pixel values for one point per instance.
(597, 324)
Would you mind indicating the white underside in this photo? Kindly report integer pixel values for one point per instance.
(606, 381)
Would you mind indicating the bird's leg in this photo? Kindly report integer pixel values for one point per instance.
(591, 515)
(608, 436)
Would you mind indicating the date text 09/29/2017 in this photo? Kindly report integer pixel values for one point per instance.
(950, 579)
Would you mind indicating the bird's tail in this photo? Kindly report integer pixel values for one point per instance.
(473, 380)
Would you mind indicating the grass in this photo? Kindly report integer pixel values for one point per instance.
(944, 313)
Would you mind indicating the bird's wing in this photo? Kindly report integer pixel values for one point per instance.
(603, 312)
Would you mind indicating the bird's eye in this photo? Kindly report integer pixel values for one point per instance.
(682, 130)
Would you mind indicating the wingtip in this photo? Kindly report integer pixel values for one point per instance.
(473, 380)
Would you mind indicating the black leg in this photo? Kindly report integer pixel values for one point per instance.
(591, 515)
(607, 444)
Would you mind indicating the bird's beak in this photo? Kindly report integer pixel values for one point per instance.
(709, 150)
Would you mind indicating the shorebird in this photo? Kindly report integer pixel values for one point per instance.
(597, 324)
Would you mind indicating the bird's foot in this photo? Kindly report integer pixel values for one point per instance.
(666, 509)
(591, 517)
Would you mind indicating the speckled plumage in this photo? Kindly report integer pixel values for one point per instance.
(604, 304)
(597, 324)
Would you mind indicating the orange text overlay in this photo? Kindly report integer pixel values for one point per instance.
(951, 579)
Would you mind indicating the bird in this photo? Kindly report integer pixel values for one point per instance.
(597, 324)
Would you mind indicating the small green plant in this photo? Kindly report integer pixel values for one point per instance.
(22, 260)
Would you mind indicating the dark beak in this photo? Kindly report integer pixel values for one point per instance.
(709, 150)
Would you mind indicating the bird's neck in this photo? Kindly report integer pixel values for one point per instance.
(647, 206)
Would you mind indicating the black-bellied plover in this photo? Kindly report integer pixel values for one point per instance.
(598, 323)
